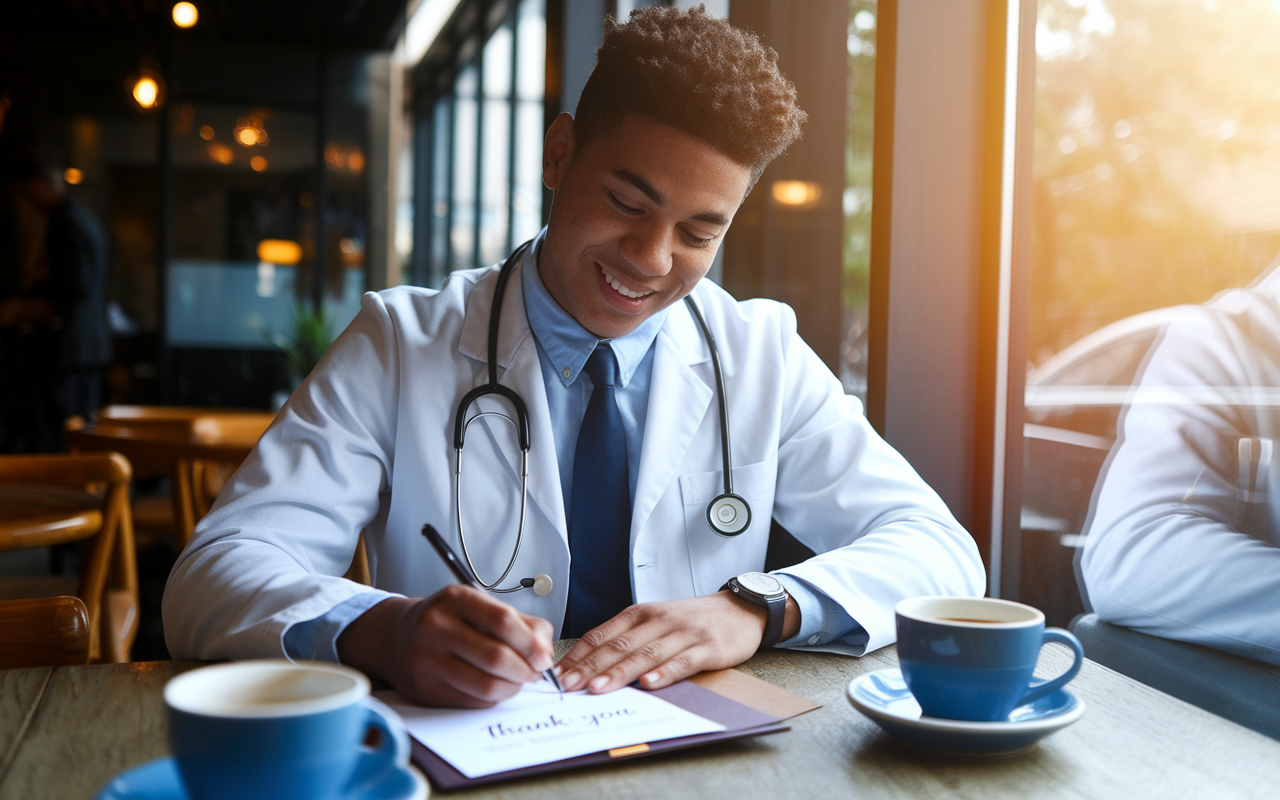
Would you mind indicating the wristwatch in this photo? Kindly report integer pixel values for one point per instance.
(763, 590)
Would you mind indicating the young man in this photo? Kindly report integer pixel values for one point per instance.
(678, 120)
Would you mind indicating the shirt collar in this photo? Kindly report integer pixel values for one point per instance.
(567, 344)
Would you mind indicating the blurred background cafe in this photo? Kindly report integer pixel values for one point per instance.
(998, 210)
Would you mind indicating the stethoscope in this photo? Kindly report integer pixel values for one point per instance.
(728, 514)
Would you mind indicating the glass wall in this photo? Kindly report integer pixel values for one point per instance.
(479, 127)
(857, 194)
(1156, 198)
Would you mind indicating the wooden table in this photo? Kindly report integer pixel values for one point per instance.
(64, 732)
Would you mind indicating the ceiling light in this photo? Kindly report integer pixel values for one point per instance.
(796, 194)
(279, 251)
(185, 15)
(146, 92)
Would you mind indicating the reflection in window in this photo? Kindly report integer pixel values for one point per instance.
(1157, 154)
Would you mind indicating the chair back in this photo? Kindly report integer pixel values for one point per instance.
(44, 632)
(197, 448)
(56, 498)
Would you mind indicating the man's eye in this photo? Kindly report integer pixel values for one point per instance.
(698, 240)
(625, 209)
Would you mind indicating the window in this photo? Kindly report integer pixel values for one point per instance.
(1156, 162)
(478, 127)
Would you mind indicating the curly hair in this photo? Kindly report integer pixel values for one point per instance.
(698, 74)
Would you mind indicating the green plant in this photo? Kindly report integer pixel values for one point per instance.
(306, 343)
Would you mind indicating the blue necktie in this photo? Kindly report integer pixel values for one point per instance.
(600, 516)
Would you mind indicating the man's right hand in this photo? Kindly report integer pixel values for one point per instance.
(460, 647)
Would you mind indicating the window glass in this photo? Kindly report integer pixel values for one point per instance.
(1156, 162)
(465, 137)
(483, 106)
(857, 194)
(531, 58)
(441, 147)
(495, 180)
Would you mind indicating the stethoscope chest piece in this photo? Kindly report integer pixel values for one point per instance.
(728, 514)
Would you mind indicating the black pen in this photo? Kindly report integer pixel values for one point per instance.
(446, 554)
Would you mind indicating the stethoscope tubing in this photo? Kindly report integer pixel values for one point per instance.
(521, 423)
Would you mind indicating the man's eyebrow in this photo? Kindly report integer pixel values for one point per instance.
(658, 200)
(641, 184)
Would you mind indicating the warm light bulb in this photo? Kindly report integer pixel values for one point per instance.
(206, 132)
(73, 176)
(279, 251)
(797, 194)
(258, 163)
(247, 136)
(146, 91)
(185, 15)
(221, 153)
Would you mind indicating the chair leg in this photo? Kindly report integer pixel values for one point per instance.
(183, 514)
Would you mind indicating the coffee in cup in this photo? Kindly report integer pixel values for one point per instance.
(972, 658)
(279, 731)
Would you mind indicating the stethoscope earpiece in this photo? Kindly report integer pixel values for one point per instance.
(728, 514)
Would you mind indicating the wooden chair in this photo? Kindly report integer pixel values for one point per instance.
(198, 448)
(52, 499)
(44, 632)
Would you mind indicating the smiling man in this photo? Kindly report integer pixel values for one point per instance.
(624, 390)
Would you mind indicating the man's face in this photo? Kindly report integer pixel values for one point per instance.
(637, 217)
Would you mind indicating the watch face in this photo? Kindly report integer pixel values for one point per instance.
(760, 583)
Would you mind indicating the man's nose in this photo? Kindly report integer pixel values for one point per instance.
(648, 249)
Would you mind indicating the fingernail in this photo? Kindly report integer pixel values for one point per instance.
(650, 679)
(570, 680)
(598, 682)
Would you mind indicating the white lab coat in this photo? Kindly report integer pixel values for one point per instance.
(366, 444)
(1184, 541)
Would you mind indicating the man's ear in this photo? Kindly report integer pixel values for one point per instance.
(557, 151)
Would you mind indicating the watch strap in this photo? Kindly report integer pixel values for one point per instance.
(775, 609)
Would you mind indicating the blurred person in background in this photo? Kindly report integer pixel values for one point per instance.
(53, 309)
(1184, 542)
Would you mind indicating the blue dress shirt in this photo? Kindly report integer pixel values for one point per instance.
(563, 348)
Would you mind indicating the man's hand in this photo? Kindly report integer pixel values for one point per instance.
(460, 647)
(661, 643)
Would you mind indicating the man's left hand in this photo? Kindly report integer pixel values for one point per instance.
(664, 642)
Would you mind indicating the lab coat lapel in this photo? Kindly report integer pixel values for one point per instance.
(679, 399)
(518, 369)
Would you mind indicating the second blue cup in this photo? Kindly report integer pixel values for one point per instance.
(972, 658)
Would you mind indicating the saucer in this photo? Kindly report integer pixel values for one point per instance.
(884, 697)
(158, 780)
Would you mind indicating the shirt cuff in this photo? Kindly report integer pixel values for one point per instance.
(317, 639)
(822, 620)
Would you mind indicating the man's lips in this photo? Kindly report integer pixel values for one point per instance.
(623, 289)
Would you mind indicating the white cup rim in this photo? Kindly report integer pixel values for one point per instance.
(190, 692)
(994, 612)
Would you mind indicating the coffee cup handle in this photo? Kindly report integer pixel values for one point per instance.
(1039, 690)
(391, 750)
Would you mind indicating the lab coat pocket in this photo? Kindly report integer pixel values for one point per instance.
(716, 558)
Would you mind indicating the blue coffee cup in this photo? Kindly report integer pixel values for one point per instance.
(272, 730)
(972, 658)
